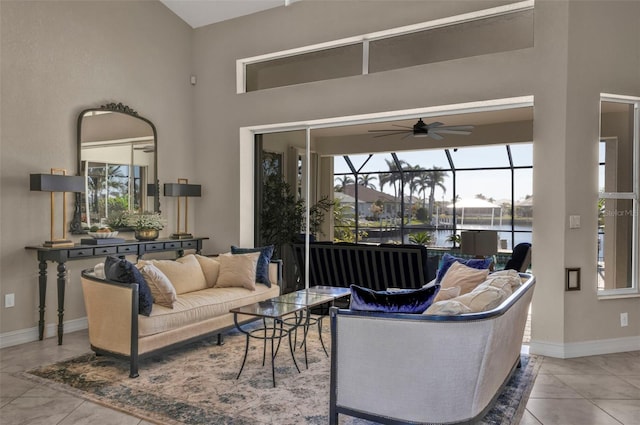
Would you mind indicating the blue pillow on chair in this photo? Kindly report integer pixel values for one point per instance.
(414, 301)
(448, 260)
(262, 270)
(123, 271)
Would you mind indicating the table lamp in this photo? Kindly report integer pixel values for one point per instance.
(57, 181)
(182, 189)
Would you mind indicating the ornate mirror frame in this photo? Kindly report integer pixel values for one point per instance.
(153, 188)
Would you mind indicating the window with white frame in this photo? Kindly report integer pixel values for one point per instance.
(618, 174)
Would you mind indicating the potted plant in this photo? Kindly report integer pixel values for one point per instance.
(454, 238)
(420, 238)
(146, 225)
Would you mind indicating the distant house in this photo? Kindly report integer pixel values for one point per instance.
(524, 207)
(367, 197)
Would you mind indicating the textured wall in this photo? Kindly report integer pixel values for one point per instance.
(59, 58)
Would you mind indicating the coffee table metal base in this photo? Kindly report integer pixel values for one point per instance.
(273, 331)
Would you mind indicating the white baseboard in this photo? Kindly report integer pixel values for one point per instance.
(22, 336)
(584, 348)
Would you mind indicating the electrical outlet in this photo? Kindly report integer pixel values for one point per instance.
(9, 300)
(624, 319)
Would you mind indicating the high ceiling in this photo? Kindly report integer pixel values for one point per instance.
(198, 13)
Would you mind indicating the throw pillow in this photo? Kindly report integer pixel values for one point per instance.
(447, 293)
(121, 270)
(413, 301)
(483, 299)
(210, 268)
(238, 270)
(162, 290)
(467, 278)
(448, 308)
(512, 275)
(262, 269)
(448, 260)
(184, 273)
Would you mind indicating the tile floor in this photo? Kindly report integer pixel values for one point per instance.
(596, 390)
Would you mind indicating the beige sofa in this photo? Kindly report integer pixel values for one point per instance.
(116, 328)
(425, 368)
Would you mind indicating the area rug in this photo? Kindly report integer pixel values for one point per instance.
(197, 384)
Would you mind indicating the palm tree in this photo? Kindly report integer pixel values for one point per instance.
(342, 182)
(422, 184)
(366, 180)
(435, 178)
(392, 177)
(412, 181)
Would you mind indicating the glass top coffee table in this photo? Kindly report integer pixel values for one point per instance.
(287, 312)
(270, 309)
(313, 297)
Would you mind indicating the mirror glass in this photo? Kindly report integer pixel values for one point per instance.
(117, 157)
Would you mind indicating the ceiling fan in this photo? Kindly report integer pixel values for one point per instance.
(420, 129)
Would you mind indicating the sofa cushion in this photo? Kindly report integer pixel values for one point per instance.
(448, 260)
(210, 269)
(162, 290)
(238, 270)
(262, 268)
(467, 278)
(413, 301)
(198, 306)
(121, 270)
(184, 273)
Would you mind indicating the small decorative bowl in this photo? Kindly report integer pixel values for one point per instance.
(103, 235)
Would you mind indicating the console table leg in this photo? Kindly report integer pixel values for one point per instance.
(42, 292)
(62, 280)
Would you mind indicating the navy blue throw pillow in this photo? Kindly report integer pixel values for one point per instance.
(262, 270)
(414, 301)
(121, 270)
(448, 260)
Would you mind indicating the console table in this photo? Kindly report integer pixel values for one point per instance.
(79, 252)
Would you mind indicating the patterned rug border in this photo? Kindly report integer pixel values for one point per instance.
(85, 395)
(496, 415)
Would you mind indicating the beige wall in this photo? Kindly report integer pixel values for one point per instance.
(59, 58)
(560, 71)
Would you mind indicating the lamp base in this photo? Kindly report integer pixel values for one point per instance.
(181, 235)
(58, 243)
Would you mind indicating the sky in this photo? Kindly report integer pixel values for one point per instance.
(494, 184)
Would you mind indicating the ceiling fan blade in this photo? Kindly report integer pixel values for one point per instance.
(406, 135)
(435, 124)
(392, 134)
(460, 132)
(435, 136)
(456, 127)
(396, 131)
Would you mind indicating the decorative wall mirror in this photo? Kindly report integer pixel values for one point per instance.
(117, 156)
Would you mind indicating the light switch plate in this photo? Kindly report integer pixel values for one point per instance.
(574, 221)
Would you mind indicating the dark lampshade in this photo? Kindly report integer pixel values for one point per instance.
(56, 183)
(182, 189)
(481, 243)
